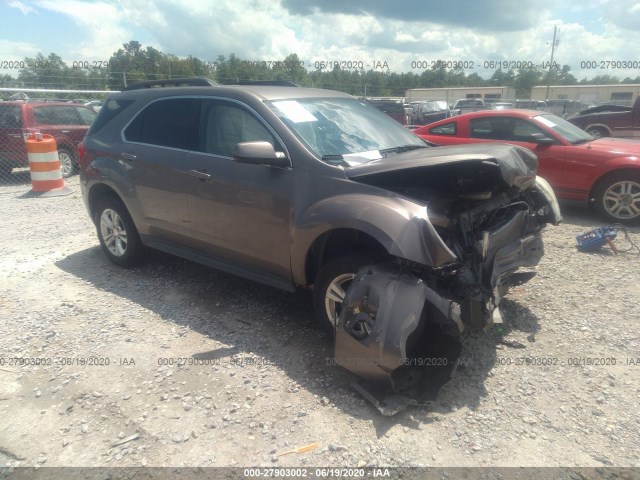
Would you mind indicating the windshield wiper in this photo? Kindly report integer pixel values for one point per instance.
(582, 140)
(400, 149)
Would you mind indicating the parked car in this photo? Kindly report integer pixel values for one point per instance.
(465, 105)
(395, 109)
(531, 104)
(296, 187)
(579, 167)
(96, 105)
(429, 111)
(610, 120)
(67, 123)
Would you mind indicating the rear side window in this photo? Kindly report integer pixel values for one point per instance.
(445, 129)
(87, 116)
(110, 110)
(10, 116)
(174, 122)
(57, 115)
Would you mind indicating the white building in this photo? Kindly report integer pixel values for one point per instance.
(451, 94)
(622, 94)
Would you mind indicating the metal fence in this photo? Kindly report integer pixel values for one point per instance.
(66, 120)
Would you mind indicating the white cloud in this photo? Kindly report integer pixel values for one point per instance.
(25, 9)
(101, 28)
(266, 30)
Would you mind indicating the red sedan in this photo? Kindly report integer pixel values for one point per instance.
(579, 167)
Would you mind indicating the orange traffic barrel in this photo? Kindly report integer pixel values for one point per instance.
(44, 165)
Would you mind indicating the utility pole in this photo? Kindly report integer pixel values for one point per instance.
(553, 47)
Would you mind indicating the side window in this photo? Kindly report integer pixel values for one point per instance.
(10, 116)
(43, 115)
(522, 131)
(173, 122)
(226, 124)
(494, 128)
(57, 115)
(480, 128)
(86, 116)
(446, 129)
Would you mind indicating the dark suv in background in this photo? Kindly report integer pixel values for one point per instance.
(66, 122)
(297, 187)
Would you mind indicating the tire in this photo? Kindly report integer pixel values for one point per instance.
(67, 162)
(332, 283)
(117, 233)
(597, 132)
(5, 171)
(617, 197)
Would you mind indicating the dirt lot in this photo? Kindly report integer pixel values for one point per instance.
(175, 364)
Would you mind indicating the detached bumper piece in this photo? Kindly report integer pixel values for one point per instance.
(399, 336)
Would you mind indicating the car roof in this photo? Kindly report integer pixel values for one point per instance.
(520, 113)
(40, 104)
(263, 92)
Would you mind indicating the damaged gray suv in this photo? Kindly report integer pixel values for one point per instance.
(403, 244)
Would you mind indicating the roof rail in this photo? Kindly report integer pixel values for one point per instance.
(272, 83)
(173, 82)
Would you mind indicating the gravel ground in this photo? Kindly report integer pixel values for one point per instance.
(557, 385)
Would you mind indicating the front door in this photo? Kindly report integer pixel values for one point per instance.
(240, 213)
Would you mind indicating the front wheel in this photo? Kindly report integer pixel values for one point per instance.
(617, 198)
(67, 162)
(332, 284)
(117, 233)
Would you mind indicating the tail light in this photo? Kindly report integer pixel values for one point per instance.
(81, 154)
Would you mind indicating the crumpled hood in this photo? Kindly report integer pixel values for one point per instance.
(517, 166)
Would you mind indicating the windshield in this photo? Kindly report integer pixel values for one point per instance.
(565, 129)
(337, 127)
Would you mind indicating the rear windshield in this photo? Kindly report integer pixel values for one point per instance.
(110, 110)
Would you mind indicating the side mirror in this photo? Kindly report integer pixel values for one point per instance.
(541, 139)
(259, 153)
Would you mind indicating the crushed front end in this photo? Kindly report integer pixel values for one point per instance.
(401, 322)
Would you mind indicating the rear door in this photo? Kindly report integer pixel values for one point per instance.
(156, 153)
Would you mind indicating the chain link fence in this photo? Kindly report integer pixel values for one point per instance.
(67, 121)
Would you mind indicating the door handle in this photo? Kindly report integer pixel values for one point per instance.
(201, 174)
(127, 157)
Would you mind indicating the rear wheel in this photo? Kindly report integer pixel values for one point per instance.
(332, 284)
(5, 170)
(617, 197)
(118, 235)
(597, 132)
(67, 162)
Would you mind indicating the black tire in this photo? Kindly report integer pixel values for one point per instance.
(122, 246)
(614, 197)
(597, 132)
(5, 171)
(68, 162)
(340, 270)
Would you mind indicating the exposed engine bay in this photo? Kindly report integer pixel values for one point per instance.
(401, 322)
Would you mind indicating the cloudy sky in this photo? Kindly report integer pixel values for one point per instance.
(398, 32)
